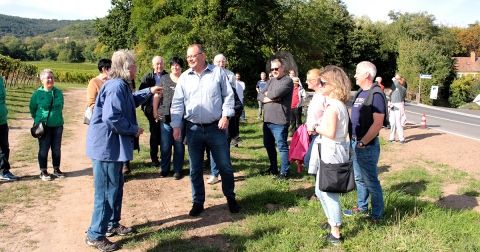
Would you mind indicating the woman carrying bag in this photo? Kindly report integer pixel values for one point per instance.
(46, 105)
(334, 146)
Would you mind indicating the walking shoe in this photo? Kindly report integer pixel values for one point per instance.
(163, 174)
(8, 176)
(57, 173)
(155, 163)
(196, 210)
(45, 176)
(334, 240)
(353, 211)
(103, 245)
(212, 180)
(120, 230)
(402, 142)
(178, 175)
(233, 205)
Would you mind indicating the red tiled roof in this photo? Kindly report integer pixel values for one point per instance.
(466, 64)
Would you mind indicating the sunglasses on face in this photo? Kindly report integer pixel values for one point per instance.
(274, 69)
(323, 83)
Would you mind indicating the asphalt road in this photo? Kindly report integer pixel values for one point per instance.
(446, 120)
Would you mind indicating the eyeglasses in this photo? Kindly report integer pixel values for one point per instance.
(193, 56)
(275, 69)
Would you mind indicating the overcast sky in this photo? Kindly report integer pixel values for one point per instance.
(446, 12)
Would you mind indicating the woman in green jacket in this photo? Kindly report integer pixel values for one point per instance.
(46, 105)
(5, 173)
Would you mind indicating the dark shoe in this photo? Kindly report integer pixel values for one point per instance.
(156, 163)
(269, 172)
(120, 230)
(45, 176)
(178, 175)
(125, 170)
(8, 176)
(334, 240)
(164, 174)
(282, 176)
(57, 173)
(103, 245)
(196, 209)
(233, 205)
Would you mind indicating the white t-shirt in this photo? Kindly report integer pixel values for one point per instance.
(240, 87)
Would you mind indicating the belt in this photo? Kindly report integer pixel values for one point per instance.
(204, 125)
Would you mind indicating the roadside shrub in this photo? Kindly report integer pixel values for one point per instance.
(464, 90)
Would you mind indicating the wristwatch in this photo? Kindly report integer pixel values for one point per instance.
(361, 144)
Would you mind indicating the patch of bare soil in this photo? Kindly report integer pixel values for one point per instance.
(59, 222)
(440, 148)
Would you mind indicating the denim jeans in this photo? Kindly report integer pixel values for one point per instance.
(306, 158)
(107, 203)
(365, 162)
(330, 204)
(198, 138)
(52, 139)
(276, 134)
(166, 144)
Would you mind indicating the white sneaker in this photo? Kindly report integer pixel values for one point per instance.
(212, 180)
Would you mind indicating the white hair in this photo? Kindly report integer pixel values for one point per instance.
(368, 67)
(121, 62)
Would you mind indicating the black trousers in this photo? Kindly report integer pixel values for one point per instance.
(154, 139)
(4, 145)
(295, 119)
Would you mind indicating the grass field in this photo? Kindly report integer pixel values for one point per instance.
(64, 66)
(413, 221)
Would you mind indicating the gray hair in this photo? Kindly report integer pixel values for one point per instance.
(122, 60)
(44, 73)
(157, 57)
(220, 57)
(368, 67)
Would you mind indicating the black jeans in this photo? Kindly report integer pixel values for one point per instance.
(5, 146)
(154, 139)
(51, 139)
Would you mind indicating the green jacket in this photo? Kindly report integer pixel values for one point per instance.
(3, 105)
(40, 104)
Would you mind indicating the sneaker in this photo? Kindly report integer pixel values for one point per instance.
(120, 230)
(45, 176)
(212, 180)
(196, 210)
(103, 245)
(402, 142)
(57, 173)
(125, 170)
(353, 211)
(233, 205)
(164, 174)
(178, 175)
(8, 176)
(155, 163)
(334, 240)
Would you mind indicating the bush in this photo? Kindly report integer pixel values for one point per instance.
(464, 90)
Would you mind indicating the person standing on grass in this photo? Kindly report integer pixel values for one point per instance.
(240, 86)
(202, 103)
(161, 111)
(110, 143)
(396, 109)
(149, 80)
(261, 85)
(46, 105)
(334, 146)
(298, 96)
(277, 99)
(366, 122)
(5, 173)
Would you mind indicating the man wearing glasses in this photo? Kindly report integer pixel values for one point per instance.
(202, 103)
(277, 99)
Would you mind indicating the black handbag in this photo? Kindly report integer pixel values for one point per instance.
(336, 178)
(38, 129)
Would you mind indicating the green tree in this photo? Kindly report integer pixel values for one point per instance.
(464, 90)
(115, 30)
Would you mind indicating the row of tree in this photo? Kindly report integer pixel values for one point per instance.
(249, 33)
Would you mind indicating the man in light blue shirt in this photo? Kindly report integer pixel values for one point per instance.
(202, 103)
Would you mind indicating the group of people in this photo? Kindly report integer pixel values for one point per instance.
(197, 107)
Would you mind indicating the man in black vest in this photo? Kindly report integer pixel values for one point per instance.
(150, 80)
(367, 120)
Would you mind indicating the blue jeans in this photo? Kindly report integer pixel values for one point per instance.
(306, 158)
(276, 134)
(107, 203)
(198, 138)
(52, 139)
(365, 162)
(166, 144)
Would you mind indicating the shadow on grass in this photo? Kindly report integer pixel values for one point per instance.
(414, 188)
(421, 136)
(458, 202)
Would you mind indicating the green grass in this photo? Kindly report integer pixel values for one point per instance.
(65, 66)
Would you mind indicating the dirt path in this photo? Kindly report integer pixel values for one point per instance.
(59, 223)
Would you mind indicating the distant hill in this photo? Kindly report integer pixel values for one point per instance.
(26, 27)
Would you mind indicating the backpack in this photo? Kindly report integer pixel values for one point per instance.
(375, 89)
